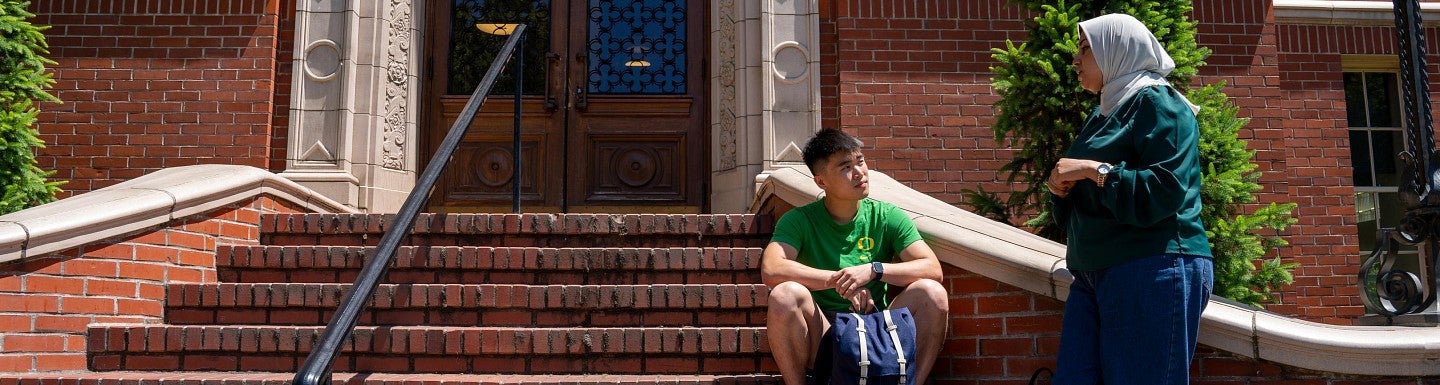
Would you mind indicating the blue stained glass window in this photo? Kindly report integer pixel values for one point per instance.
(637, 47)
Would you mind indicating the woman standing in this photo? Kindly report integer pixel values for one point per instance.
(1128, 194)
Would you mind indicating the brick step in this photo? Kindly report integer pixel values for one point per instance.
(494, 265)
(425, 349)
(254, 378)
(471, 305)
(524, 230)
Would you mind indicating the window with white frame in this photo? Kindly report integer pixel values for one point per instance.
(1372, 107)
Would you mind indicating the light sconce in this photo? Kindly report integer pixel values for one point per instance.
(637, 57)
(496, 28)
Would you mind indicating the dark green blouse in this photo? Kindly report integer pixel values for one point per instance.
(1150, 204)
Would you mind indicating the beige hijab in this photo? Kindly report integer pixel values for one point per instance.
(1130, 59)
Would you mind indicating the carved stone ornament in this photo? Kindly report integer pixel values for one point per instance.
(397, 86)
(727, 85)
(393, 144)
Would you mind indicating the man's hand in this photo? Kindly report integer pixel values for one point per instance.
(861, 302)
(848, 280)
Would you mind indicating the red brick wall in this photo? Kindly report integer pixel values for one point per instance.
(913, 81)
(1287, 83)
(1312, 117)
(150, 84)
(997, 331)
(1286, 78)
(1315, 142)
(48, 301)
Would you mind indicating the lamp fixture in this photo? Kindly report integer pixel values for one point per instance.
(636, 57)
(496, 28)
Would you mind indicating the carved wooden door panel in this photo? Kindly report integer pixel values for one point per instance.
(637, 105)
(613, 112)
(480, 176)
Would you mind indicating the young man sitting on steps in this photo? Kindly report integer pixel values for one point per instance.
(841, 254)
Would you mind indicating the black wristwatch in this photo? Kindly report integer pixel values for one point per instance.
(879, 270)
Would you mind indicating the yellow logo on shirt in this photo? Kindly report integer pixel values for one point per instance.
(865, 244)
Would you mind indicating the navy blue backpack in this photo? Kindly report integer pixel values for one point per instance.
(874, 349)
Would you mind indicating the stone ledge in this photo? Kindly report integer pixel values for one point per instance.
(1347, 13)
(1016, 257)
(144, 202)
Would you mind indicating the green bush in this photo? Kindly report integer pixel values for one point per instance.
(23, 81)
(1042, 106)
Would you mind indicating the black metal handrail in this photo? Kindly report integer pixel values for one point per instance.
(316, 368)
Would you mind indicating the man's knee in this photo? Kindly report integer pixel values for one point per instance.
(789, 295)
(931, 294)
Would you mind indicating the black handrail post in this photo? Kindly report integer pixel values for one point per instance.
(519, 90)
(316, 368)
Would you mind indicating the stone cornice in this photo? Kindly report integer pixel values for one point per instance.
(1348, 13)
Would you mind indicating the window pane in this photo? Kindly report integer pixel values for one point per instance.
(1386, 145)
(471, 50)
(1384, 107)
(1360, 158)
(1390, 214)
(1355, 100)
(1368, 220)
(1375, 211)
(1388, 204)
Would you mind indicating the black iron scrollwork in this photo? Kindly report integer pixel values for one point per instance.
(1385, 288)
(1391, 291)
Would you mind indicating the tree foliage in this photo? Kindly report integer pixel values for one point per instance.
(23, 81)
(1042, 106)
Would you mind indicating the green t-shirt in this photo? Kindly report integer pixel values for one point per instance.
(880, 230)
(1150, 204)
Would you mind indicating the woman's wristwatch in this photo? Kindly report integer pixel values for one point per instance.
(1103, 170)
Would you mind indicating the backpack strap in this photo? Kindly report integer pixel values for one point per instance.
(864, 350)
(899, 349)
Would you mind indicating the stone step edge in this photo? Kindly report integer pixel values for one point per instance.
(451, 296)
(488, 257)
(434, 340)
(561, 224)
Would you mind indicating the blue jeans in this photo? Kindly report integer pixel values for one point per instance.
(1134, 323)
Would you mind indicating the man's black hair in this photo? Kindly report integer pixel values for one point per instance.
(825, 143)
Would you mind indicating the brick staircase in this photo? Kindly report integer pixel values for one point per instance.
(470, 299)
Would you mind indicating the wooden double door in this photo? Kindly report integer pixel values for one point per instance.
(613, 112)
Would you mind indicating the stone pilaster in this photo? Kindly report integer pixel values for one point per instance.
(353, 115)
(765, 97)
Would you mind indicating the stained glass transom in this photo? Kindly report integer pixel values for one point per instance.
(637, 47)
